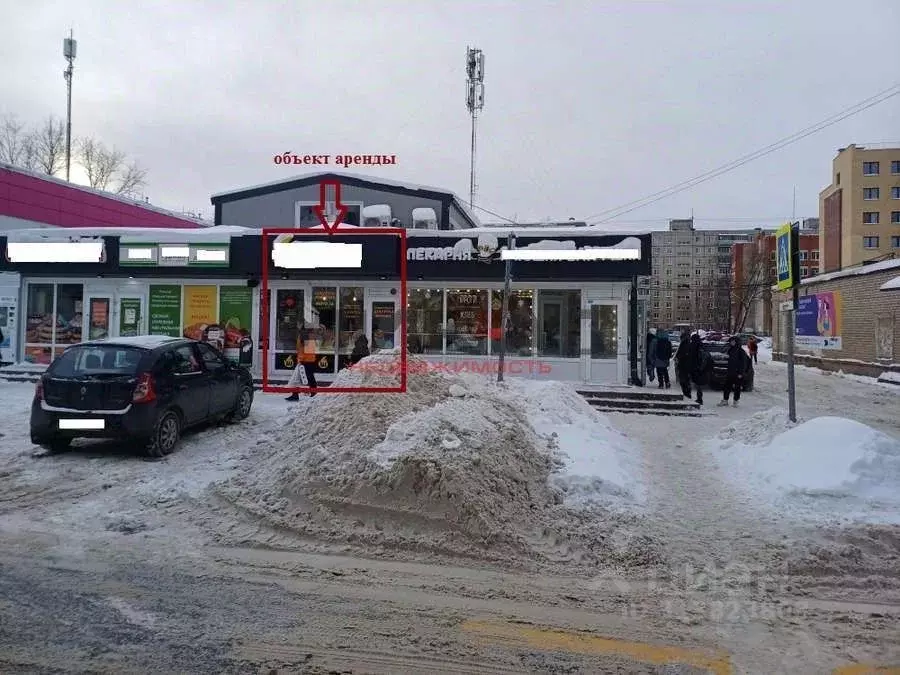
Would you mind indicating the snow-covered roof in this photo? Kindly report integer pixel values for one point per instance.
(892, 285)
(855, 271)
(527, 232)
(107, 195)
(157, 235)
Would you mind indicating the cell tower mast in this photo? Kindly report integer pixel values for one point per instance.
(69, 48)
(474, 103)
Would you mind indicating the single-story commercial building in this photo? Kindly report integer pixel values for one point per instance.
(847, 320)
(569, 319)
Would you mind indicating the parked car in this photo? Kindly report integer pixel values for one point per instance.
(719, 352)
(145, 389)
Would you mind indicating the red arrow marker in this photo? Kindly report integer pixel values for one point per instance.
(330, 226)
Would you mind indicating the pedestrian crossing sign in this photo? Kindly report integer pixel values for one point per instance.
(784, 259)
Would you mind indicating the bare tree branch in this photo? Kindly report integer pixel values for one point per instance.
(50, 146)
(13, 139)
(100, 163)
(753, 286)
(131, 179)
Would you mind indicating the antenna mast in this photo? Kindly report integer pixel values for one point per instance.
(69, 48)
(474, 103)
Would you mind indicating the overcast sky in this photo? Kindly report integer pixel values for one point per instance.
(588, 105)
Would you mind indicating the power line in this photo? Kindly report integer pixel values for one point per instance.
(730, 166)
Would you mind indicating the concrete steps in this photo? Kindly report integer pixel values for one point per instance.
(637, 401)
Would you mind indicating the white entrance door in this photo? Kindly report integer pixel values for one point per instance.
(97, 318)
(604, 333)
(129, 317)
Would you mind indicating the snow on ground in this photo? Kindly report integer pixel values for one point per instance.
(821, 469)
(453, 466)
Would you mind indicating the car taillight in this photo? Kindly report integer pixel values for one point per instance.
(39, 391)
(143, 392)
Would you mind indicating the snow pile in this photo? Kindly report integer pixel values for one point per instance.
(453, 466)
(824, 468)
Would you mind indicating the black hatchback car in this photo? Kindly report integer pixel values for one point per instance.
(147, 389)
(719, 353)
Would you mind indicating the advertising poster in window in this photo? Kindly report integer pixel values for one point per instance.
(99, 319)
(165, 310)
(130, 317)
(288, 312)
(235, 310)
(201, 309)
(819, 321)
(324, 313)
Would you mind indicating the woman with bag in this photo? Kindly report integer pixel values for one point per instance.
(304, 374)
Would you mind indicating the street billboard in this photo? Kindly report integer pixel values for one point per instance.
(819, 321)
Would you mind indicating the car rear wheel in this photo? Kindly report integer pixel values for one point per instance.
(165, 435)
(242, 405)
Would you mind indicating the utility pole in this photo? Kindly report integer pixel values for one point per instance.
(474, 103)
(504, 314)
(787, 253)
(69, 48)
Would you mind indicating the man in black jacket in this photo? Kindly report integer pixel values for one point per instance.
(662, 353)
(683, 364)
(738, 365)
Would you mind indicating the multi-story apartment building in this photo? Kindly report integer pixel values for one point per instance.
(860, 210)
(753, 275)
(691, 277)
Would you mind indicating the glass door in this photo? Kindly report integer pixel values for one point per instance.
(382, 328)
(130, 321)
(98, 317)
(605, 341)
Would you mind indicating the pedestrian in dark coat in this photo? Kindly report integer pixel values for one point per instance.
(662, 353)
(738, 365)
(701, 365)
(360, 349)
(683, 365)
(649, 354)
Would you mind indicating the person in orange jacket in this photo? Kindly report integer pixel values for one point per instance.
(306, 361)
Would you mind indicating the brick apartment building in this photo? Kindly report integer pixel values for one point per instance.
(869, 321)
(860, 210)
(753, 275)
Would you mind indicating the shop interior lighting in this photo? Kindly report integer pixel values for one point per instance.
(316, 255)
(212, 255)
(143, 253)
(56, 252)
(580, 255)
(174, 252)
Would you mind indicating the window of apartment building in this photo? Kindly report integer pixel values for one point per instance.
(895, 217)
(871, 193)
(871, 217)
(803, 255)
(870, 168)
(895, 193)
(814, 271)
(895, 167)
(814, 255)
(895, 241)
(804, 272)
(870, 242)
(837, 178)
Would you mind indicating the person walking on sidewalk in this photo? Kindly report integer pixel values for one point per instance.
(683, 365)
(738, 365)
(662, 354)
(306, 362)
(753, 348)
(650, 355)
(699, 363)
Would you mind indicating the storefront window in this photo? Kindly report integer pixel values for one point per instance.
(43, 329)
(324, 317)
(288, 313)
(350, 319)
(383, 322)
(559, 324)
(425, 318)
(521, 322)
(467, 311)
(98, 319)
(39, 316)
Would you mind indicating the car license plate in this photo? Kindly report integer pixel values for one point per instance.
(69, 424)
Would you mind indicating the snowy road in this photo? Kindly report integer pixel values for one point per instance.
(105, 566)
